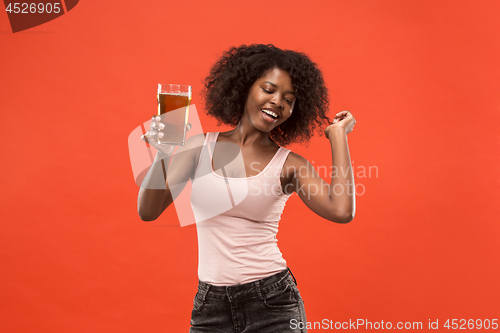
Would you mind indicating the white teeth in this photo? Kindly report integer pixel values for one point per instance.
(270, 113)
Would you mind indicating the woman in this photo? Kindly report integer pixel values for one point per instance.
(272, 97)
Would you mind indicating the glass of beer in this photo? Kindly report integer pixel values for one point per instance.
(173, 109)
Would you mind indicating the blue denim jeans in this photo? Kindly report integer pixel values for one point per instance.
(268, 305)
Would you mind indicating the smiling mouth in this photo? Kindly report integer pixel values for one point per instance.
(270, 113)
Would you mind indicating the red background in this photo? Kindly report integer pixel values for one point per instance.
(421, 78)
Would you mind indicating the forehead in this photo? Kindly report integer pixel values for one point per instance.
(277, 77)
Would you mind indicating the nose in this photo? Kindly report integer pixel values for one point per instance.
(276, 100)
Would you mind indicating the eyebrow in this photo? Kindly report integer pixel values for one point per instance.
(275, 86)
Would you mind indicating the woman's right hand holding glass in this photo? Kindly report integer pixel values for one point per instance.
(154, 134)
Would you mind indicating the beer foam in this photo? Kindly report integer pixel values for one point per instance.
(184, 94)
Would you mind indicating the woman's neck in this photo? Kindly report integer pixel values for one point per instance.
(244, 134)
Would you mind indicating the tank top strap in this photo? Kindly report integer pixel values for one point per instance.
(210, 139)
(205, 158)
(276, 165)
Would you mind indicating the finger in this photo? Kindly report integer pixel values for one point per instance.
(341, 115)
(156, 125)
(341, 118)
(152, 134)
(149, 136)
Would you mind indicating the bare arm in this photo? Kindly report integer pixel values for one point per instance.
(155, 194)
(335, 201)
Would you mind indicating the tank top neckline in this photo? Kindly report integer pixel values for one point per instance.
(215, 136)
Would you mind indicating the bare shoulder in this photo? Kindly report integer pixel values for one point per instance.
(295, 160)
(193, 144)
(293, 165)
(191, 149)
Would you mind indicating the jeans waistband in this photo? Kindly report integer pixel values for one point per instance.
(285, 276)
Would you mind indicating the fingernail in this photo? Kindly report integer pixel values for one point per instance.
(160, 135)
(157, 118)
(161, 126)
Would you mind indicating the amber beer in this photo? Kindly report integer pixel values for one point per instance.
(173, 108)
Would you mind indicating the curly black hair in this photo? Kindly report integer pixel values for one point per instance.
(228, 84)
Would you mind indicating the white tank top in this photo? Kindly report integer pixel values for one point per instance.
(237, 221)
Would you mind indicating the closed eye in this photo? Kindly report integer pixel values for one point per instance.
(272, 92)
